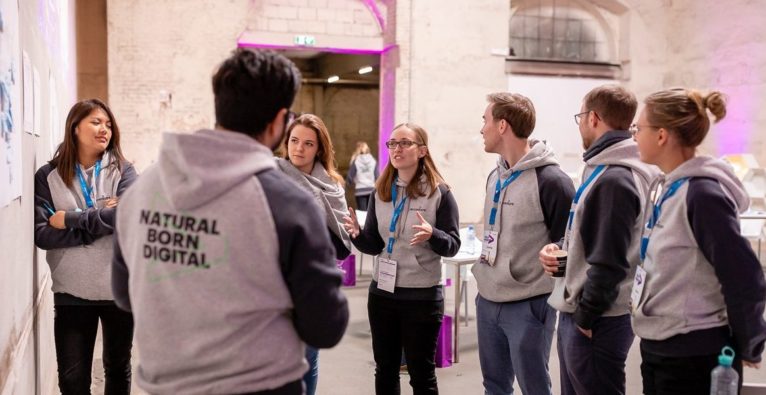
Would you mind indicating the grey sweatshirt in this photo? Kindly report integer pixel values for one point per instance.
(227, 267)
(701, 274)
(80, 255)
(362, 174)
(532, 212)
(605, 234)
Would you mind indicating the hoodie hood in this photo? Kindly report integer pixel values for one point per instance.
(706, 166)
(196, 168)
(625, 153)
(365, 160)
(539, 155)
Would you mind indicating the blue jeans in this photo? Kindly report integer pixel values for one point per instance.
(598, 362)
(515, 341)
(311, 377)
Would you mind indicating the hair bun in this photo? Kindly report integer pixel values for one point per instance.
(716, 102)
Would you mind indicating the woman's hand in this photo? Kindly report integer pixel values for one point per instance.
(351, 224)
(425, 230)
(111, 203)
(57, 220)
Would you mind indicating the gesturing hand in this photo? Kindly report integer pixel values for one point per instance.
(425, 231)
(351, 223)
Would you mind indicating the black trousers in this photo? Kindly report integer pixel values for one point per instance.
(680, 375)
(361, 202)
(75, 330)
(409, 324)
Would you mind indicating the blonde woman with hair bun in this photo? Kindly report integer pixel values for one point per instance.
(362, 173)
(703, 287)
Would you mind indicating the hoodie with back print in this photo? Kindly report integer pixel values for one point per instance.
(227, 268)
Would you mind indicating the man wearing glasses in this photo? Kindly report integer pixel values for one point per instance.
(602, 242)
(265, 282)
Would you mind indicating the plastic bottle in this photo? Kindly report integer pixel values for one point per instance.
(471, 236)
(724, 379)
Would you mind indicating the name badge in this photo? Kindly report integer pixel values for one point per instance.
(386, 274)
(639, 280)
(489, 247)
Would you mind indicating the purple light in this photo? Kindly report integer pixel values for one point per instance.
(376, 12)
(349, 51)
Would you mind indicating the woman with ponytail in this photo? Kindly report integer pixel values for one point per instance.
(699, 287)
(412, 222)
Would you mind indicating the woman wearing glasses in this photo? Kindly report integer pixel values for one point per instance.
(309, 159)
(701, 286)
(76, 194)
(412, 222)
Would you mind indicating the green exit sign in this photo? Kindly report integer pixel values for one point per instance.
(306, 41)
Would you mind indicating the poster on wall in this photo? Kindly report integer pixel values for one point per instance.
(37, 105)
(10, 105)
(28, 94)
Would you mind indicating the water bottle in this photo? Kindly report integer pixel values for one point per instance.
(471, 247)
(724, 379)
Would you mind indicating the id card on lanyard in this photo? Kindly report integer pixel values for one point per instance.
(489, 244)
(640, 278)
(598, 170)
(88, 191)
(387, 266)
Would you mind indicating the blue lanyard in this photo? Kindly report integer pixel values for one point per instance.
(86, 190)
(580, 191)
(499, 188)
(657, 210)
(394, 217)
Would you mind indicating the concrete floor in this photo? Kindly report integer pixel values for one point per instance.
(348, 369)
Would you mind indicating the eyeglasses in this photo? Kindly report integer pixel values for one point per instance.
(634, 128)
(578, 117)
(392, 144)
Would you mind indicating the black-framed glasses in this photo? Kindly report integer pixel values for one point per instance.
(392, 144)
(578, 117)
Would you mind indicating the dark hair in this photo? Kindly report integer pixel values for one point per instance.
(251, 87)
(515, 109)
(65, 158)
(325, 152)
(684, 112)
(615, 105)
(426, 166)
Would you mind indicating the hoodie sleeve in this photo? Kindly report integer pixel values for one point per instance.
(99, 222)
(556, 193)
(46, 236)
(120, 277)
(369, 240)
(307, 259)
(714, 223)
(445, 239)
(351, 173)
(606, 228)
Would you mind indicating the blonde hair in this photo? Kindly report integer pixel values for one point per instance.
(361, 148)
(426, 167)
(684, 112)
(325, 152)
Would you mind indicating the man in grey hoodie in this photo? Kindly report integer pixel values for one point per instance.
(602, 242)
(225, 262)
(526, 205)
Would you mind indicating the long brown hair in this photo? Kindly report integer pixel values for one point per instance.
(325, 152)
(426, 167)
(65, 158)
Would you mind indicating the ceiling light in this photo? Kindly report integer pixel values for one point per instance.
(365, 70)
(333, 79)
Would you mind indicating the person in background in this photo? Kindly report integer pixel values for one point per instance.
(76, 194)
(602, 241)
(412, 222)
(225, 280)
(362, 173)
(525, 208)
(700, 287)
(309, 160)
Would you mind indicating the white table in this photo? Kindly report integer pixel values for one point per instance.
(461, 259)
(750, 214)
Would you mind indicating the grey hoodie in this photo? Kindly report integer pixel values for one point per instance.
(586, 268)
(532, 212)
(362, 173)
(691, 283)
(206, 261)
